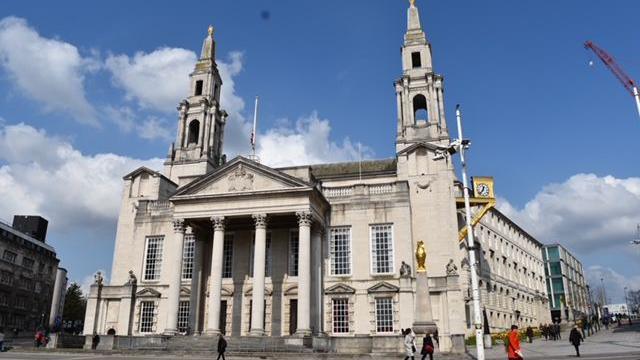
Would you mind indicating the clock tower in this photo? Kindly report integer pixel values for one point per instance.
(419, 91)
(198, 146)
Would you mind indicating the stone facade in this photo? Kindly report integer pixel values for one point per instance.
(28, 268)
(213, 246)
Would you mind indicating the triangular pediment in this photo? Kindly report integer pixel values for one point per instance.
(185, 291)
(148, 292)
(383, 287)
(421, 145)
(340, 289)
(241, 175)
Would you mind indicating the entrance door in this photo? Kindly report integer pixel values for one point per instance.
(223, 317)
(293, 316)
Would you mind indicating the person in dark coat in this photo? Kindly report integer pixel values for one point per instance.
(427, 347)
(576, 338)
(222, 347)
(530, 334)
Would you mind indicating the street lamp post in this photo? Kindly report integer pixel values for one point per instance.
(460, 145)
(626, 302)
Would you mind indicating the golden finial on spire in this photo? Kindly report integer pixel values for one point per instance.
(210, 30)
(412, 2)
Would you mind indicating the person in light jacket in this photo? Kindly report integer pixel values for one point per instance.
(409, 344)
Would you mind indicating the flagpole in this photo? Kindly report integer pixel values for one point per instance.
(253, 133)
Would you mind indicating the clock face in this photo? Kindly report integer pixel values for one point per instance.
(483, 190)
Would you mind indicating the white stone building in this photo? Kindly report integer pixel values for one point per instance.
(237, 247)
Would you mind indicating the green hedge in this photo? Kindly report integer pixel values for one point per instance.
(498, 338)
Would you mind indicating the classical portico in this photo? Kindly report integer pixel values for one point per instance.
(244, 197)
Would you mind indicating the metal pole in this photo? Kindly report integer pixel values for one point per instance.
(626, 302)
(636, 95)
(475, 293)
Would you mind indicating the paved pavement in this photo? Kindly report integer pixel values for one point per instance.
(614, 344)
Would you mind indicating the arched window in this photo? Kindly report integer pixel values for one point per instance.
(420, 108)
(194, 132)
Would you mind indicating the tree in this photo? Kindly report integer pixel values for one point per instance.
(75, 304)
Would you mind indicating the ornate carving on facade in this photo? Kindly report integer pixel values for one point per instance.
(452, 269)
(421, 257)
(405, 270)
(260, 220)
(218, 223)
(304, 218)
(240, 180)
(178, 225)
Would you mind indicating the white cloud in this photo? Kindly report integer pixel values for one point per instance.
(586, 212)
(154, 128)
(127, 120)
(47, 70)
(45, 175)
(613, 281)
(306, 142)
(157, 80)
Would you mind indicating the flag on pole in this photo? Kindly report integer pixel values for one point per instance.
(253, 132)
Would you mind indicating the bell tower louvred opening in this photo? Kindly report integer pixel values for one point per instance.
(198, 146)
(419, 90)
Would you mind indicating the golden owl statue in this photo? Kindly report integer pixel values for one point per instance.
(421, 257)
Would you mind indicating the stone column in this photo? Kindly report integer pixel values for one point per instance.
(259, 254)
(215, 280)
(196, 286)
(304, 273)
(175, 250)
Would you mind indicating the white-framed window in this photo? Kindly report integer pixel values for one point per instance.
(183, 316)
(267, 260)
(384, 315)
(227, 256)
(340, 315)
(188, 253)
(294, 252)
(153, 258)
(147, 310)
(340, 243)
(381, 248)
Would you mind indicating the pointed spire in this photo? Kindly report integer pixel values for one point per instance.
(208, 46)
(413, 17)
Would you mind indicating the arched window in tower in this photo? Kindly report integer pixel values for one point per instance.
(194, 132)
(420, 108)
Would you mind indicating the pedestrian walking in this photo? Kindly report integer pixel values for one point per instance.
(409, 344)
(427, 347)
(530, 334)
(576, 338)
(514, 352)
(1, 339)
(222, 347)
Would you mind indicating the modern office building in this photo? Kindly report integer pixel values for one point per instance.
(28, 268)
(567, 289)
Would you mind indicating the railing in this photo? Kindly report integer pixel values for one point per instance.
(364, 189)
(154, 206)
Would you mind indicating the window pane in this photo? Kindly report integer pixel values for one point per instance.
(227, 256)
(382, 249)
(384, 315)
(153, 260)
(183, 316)
(294, 250)
(187, 256)
(340, 316)
(341, 251)
(146, 316)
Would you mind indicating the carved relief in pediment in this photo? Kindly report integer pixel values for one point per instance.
(240, 180)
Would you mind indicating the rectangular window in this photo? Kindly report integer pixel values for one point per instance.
(267, 260)
(9, 256)
(340, 316)
(340, 250)
(416, 62)
(227, 256)
(153, 258)
(6, 278)
(183, 316)
(147, 309)
(198, 87)
(27, 263)
(188, 252)
(384, 315)
(382, 249)
(294, 250)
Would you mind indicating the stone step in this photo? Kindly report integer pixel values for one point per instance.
(238, 344)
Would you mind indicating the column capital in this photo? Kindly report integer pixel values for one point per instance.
(304, 218)
(260, 220)
(218, 223)
(178, 226)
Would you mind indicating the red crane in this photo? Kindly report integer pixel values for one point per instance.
(611, 63)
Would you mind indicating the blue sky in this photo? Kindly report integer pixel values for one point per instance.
(92, 87)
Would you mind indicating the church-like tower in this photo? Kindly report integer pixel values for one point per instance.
(198, 146)
(419, 91)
